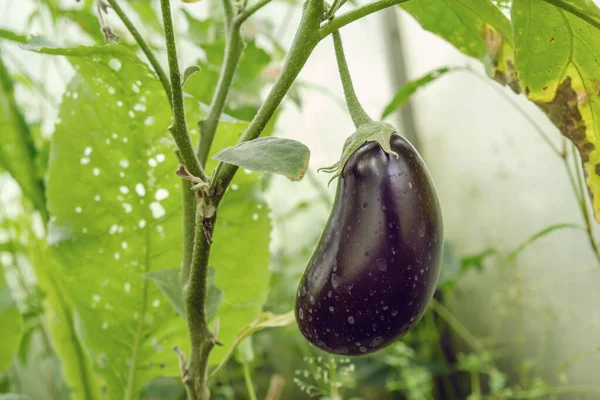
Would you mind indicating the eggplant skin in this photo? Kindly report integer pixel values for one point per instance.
(376, 265)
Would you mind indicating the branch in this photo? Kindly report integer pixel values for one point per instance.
(233, 52)
(144, 46)
(179, 126)
(228, 10)
(208, 126)
(305, 41)
(344, 19)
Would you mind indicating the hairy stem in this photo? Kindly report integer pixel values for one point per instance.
(194, 292)
(144, 46)
(179, 126)
(233, 52)
(208, 126)
(349, 17)
(304, 42)
(189, 205)
(357, 112)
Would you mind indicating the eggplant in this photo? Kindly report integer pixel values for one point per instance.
(376, 265)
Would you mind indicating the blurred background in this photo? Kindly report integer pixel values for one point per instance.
(516, 315)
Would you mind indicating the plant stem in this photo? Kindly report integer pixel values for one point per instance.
(195, 378)
(344, 19)
(305, 41)
(233, 52)
(179, 126)
(208, 126)
(144, 46)
(189, 205)
(357, 112)
(228, 10)
(248, 380)
(583, 205)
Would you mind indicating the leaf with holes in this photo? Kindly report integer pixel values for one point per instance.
(269, 154)
(477, 28)
(115, 199)
(557, 57)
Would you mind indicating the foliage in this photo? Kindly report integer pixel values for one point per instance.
(91, 242)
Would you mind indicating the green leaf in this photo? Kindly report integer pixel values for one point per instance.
(453, 269)
(269, 154)
(557, 57)
(477, 28)
(10, 334)
(17, 150)
(168, 282)
(115, 198)
(264, 321)
(12, 36)
(534, 238)
(410, 88)
(189, 71)
(240, 250)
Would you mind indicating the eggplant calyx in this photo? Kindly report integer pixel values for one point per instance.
(380, 132)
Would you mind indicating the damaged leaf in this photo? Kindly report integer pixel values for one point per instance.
(557, 55)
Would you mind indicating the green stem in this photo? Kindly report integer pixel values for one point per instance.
(349, 17)
(208, 126)
(357, 112)
(196, 376)
(233, 52)
(179, 126)
(248, 380)
(228, 10)
(189, 205)
(584, 208)
(455, 324)
(305, 41)
(589, 17)
(144, 46)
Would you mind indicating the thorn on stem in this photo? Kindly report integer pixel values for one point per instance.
(182, 363)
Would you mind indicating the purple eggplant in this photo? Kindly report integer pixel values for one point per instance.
(376, 265)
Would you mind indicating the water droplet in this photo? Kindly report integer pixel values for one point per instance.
(376, 341)
(363, 349)
(114, 64)
(124, 163)
(255, 217)
(156, 303)
(161, 194)
(300, 314)
(394, 313)
(96, 171)
(124, 189)
(335, 281)
(127, 287)
(329, 293)
(140, 189)
(381, 264)
(331, 309)
(350, 320)
(149, 121)
(365, 205)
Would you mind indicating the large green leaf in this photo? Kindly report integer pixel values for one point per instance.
(557, 57)
(17, 150)
(476, 27)
(240, 251)
(10, 334)
(115, 199)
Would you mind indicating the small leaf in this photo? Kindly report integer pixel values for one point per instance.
(453, 269)
(168, 283)
(535, 237)
(269, 154)
(189, 71)
(264, 321)
(411, 87)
